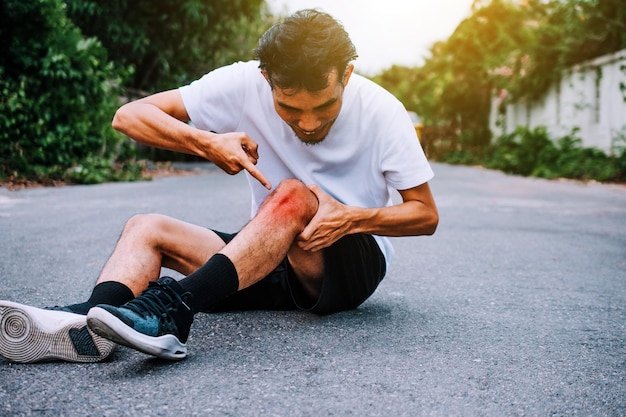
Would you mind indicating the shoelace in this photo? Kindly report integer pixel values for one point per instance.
(155, 300)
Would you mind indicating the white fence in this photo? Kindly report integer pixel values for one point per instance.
(590, 96)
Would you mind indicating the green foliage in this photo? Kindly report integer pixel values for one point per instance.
(505, 45)
(170, 42)
(455, 85)
(94, 170)
(521, 152)
(567, 33)
(532, 153)
(58, 95)
(517, 50)
(64, 65)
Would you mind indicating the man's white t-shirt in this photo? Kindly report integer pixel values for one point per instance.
(372, 145)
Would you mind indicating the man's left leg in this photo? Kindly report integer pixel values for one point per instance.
(148, 242)
(158, 321)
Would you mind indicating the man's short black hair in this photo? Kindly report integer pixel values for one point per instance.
(302, 50)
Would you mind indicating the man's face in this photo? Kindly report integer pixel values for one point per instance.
(311, 114)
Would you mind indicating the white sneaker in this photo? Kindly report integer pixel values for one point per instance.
(30, 334)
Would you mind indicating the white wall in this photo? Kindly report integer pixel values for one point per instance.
(588, 97)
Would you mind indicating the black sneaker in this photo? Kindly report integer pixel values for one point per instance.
(157, 322)
(30, 334)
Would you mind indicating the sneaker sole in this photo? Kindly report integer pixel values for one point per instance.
(30, 334)
(107, 325)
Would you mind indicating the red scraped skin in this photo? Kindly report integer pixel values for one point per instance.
(287, 207)
(292, 200)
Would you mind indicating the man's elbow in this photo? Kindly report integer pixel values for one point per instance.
(432, 223)
(120, 118)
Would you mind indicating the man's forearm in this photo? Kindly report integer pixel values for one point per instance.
(410, 218)
(148, 124)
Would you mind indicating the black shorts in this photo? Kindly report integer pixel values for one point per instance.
(353, 268)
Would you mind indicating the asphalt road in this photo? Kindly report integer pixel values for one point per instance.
(515, 307)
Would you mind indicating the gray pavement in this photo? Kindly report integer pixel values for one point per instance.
(515, 307)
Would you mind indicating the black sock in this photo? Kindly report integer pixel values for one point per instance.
(108, 292)
(212, 282)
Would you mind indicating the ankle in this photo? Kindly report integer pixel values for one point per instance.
(211, 283)
(110, 292)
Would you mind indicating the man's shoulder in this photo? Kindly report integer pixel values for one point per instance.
(367, 89)
(236, 69)
(362, 82)
(246, 65)
(229, 80)
(371, 103)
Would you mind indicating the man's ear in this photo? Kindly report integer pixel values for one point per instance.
(347, 74)
(267, 78)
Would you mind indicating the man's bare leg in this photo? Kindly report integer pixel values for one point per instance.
(264, 242)
(259, 247)
(150, 241)
(158, 321)
(31, 334)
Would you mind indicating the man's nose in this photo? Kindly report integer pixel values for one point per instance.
(309, 123)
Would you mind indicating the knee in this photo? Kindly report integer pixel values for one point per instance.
(293, 199)
(291, 186)
(143, 226)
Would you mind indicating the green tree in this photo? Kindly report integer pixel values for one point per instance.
(569, 32)
(514, 48)
(454, 87)
(57, 95)
(170, 42)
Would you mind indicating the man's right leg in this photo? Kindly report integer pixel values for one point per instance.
(150, 241)
(30, 334)
(158, 321)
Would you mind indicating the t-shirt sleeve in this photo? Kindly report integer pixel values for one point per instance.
(403, 163)
(215, 101)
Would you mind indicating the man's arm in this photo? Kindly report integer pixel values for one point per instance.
(416, 215)
(160, 120)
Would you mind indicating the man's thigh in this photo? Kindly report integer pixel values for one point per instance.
(353, 268)
(186, 247)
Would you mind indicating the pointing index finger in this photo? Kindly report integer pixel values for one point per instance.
(254, 171)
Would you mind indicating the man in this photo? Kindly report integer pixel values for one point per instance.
(320, 145)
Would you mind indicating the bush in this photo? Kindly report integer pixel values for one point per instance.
(533, 153)
(58, 95)
(583, 163)
(521, 152)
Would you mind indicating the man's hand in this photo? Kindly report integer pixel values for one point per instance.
(330, 223)
(235, 151)
(160, 120)
(415, 216)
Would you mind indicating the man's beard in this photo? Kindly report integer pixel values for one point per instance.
(309, 140)
(313, 142)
